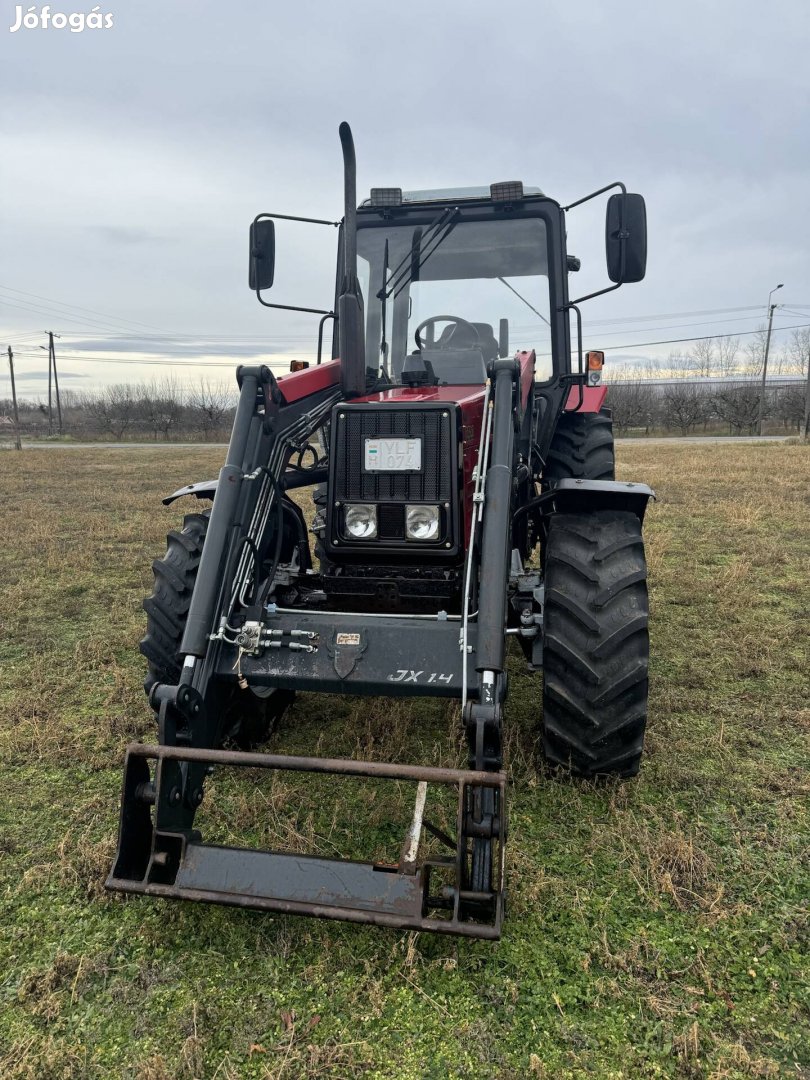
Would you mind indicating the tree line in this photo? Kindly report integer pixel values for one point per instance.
(161, 410)
(714, 387)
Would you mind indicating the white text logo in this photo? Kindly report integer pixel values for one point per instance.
(44, 19)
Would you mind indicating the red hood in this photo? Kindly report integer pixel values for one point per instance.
(412, 395)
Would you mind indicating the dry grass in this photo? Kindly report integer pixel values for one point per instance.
(654, 929)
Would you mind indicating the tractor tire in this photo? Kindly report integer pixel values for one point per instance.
(582, 448)
(249, 720)
(595, 644)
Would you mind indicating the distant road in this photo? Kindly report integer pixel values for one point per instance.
(704, 439)
(43, 445)
(221, 446)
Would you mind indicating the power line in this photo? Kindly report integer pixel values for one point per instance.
(232, 363)
(49, 314)
(706, 337)
(129, 323)
(78, 307)
(682, 326)
(678, 314)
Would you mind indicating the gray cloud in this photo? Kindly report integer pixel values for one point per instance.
(117, 234)
(134, 158)
(38, 376)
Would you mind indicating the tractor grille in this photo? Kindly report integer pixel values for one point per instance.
(432, 484)
(391, 525)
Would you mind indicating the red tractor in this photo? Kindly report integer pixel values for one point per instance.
(462, 474)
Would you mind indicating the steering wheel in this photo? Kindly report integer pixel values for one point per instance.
(430, 325)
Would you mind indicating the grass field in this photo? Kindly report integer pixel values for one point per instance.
(658, 928)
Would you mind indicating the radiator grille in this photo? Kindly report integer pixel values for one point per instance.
(434, 483)
(391, 522)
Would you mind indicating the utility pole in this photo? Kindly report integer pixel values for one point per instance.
(52, 372)
(806, 423)
(17, 442)
(56, 378)
(50, 377)
(771, 309)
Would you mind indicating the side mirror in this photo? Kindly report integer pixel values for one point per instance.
(626, 238)
(262, 253)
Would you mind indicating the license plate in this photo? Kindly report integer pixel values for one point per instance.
(393, 455)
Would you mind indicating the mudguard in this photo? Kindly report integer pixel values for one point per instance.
(203, 489)
(582, 496)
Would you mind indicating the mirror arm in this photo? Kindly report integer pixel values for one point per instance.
(599, 292)
(327, 315)
(622, 237)
(593, 194)
(292, 307)
(291, 217)
(569, 307)
(309, 221)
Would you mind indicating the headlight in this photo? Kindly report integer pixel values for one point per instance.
(422, 522)
(360, 521)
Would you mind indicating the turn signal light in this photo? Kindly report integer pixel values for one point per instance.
(596, 361)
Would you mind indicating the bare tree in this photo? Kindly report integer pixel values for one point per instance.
(114, 409)
(677, 366)
(738, 405)
(701, 356)
(161, 406)
(788, 405)
(208, 405)
(798, 352)
(754, 353)
(631, 404)
(684, 405)
(727, 350)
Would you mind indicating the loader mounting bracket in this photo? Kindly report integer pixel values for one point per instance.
(161, 854)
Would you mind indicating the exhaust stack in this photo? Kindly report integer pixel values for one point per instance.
(351, 339)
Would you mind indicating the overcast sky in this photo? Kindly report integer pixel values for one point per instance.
(133, 159)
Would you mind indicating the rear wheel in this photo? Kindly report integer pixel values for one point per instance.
(248, 719)
(595, 643)
(582, 448)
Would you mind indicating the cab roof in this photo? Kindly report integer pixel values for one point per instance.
(460, 194)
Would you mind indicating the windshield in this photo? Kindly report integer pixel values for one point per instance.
(483, 286)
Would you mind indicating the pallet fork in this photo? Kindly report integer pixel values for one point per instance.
(166, 857)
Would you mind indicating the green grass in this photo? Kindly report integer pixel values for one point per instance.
(656, 928)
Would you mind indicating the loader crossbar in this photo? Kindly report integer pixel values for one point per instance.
(160, 854)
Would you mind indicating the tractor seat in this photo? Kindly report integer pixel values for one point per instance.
(462, 338)
(459, 367)
(487, 342)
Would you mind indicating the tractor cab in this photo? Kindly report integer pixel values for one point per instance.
(452, 280)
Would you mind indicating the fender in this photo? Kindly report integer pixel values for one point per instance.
(593, 398)
(203, 489)
(292, 478)
(583, 496)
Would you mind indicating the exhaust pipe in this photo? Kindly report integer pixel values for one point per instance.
(351, 338)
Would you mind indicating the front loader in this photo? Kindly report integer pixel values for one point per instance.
(461, 467)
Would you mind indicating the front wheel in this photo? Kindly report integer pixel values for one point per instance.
(582, 448)
(595, 643)
(248, 720)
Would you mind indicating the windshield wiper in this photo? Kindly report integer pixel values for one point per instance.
(384, 298)
(412, 262)
(525, 301)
